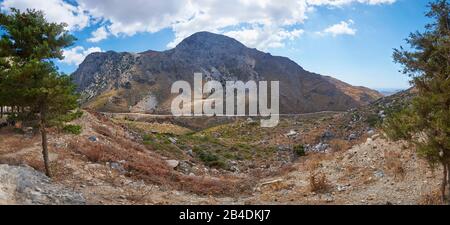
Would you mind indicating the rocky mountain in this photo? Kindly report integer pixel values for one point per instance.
(129, 82)
(361, 94)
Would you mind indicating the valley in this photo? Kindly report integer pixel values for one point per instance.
(317, 158)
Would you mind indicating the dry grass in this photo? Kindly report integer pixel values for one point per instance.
(103, 119)
(11, 161)
(433, 198)
(93, 152)
(34, 163)
(101, 100)
(276, 186)
(103, 130)
(394, 164)
(38, 164)
(315, 160)
(340, 145)
(147, 127)
(260, 173)
(144, 165)
(12, 142)
(318, 183)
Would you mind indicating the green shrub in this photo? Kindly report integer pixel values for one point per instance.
(72, 129)
(71, 116)
(373, 120)
(299, 150)
(210, 159)
(147, 138)
(207, 156)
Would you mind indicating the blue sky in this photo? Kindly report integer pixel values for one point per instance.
(351, 40)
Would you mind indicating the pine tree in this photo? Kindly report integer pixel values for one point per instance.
(28, 77)
(426, 122)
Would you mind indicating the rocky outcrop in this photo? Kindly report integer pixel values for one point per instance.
(124, 82)
(24, 185)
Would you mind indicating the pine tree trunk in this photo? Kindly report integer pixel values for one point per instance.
(444, 182)
(45, 150)
(44, 142)
(448, 183)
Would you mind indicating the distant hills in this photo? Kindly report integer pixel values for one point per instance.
(390, 91)
(140, 82)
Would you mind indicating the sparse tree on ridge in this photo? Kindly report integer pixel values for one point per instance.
(426, 122)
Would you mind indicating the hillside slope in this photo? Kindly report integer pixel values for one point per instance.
(107, 164)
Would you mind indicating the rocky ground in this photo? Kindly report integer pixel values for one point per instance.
(24, 185)
(123, 161)
(374, 172)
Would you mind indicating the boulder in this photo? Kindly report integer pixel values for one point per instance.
(24, 185)
(327, 135)
(251, 121)
(291, 134)
(173, 140)
(190, 152)
(93, 138)
(118, 167)
(319, 148)
(352, 137)
(172, 163)
(184, 167)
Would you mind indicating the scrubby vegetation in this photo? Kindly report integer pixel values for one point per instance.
(299, 150)
(318, 183)
(210, 159)
(72, 129)
(152, 169)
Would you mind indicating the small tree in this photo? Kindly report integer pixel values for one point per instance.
(28, 77)
(426, 122)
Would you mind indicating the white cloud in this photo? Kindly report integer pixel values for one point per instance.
(100, 34)
(269, 21)
(265, 37)
(346, 2)
(76, 55)
(55, 11)
(257, 23)
(342, 28)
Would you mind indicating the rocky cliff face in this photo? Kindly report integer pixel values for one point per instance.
(127, 82)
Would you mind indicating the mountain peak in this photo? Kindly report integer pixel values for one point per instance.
(135, 81)
(209, 40)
